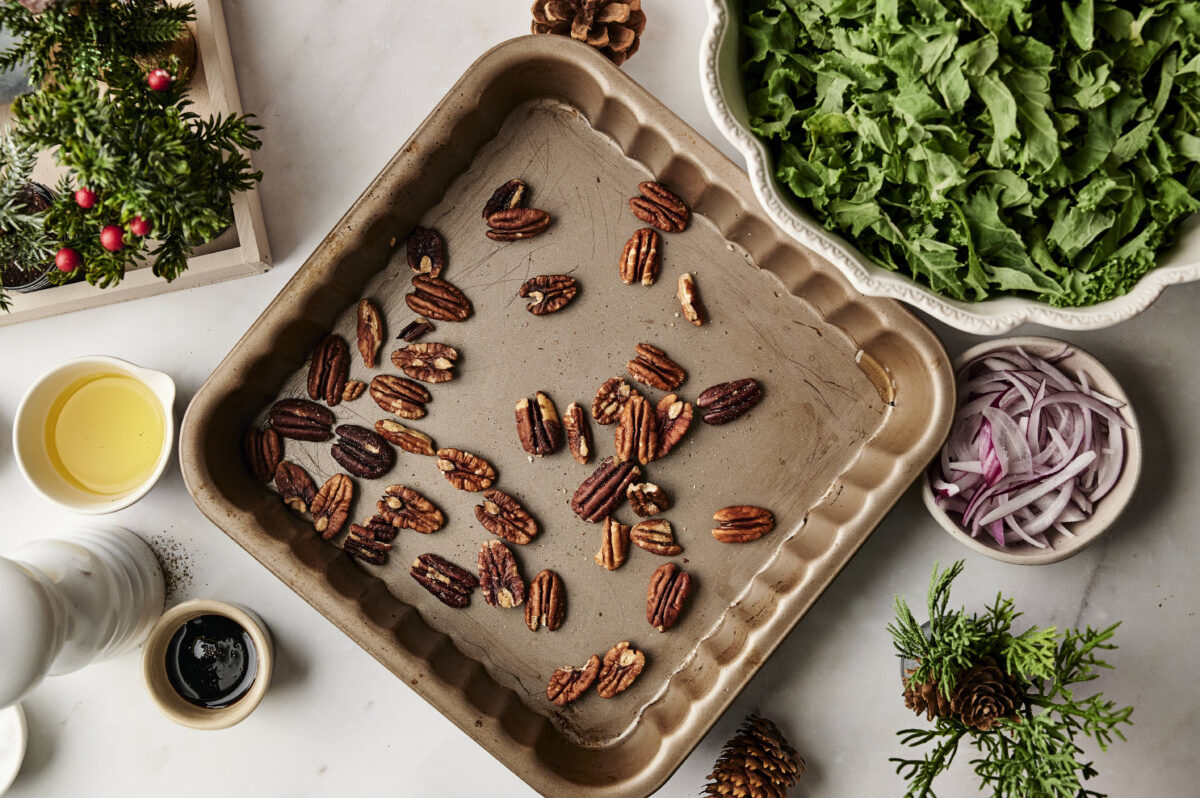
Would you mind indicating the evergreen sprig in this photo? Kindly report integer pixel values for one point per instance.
(23, 240)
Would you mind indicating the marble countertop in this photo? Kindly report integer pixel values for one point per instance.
(339, 87)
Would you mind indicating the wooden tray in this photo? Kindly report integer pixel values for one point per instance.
(238, 252)
(858, 395)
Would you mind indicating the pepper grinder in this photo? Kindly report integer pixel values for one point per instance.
(88, 595)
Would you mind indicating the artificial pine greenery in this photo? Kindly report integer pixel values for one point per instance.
(23, 241)
(1036, 754)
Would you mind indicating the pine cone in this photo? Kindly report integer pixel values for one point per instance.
(756, 763)
(984, 695)
(927, 698)
(611, 26)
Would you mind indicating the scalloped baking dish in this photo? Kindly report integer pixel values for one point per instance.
(858, 396)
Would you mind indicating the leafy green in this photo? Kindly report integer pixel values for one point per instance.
(23, 238)
(986, 147)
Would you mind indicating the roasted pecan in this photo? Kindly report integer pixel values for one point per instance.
(621, 666)
(538, 426)
(464, 470)
(614, 545)
(370, 332)
(363, 452)
(400, 396)
(636, 436)
(600, 493)
(414, 330)
(428, 362)
(610, 398)
(673, 417)
(689, 300)
(504, 517)
(656, 537)
(361, 543)
(437, 299)
(647, 499)
(723, 403)
(329, 370)
(301, 420)
(547, 603)
(669, 588)
(508, 196)
(376, 528)
(652, 367)
(567, 684)
(331, 505)
(426, 251)
(579, 435)
(452, 585)
(410, 440)
(354, 389)
(548, 292)
(742, 523)
(404, 508)
(641, 259)
(263, 449)
(660, 207)
(517, 223)
(499, 580)
(295, 486)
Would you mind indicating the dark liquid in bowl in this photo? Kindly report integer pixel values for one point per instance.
(211, 661)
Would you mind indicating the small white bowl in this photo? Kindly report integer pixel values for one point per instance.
(29, 436)
(1106, 511)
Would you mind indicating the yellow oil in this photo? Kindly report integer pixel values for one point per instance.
(104, 433)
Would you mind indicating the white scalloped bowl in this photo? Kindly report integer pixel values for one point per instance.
(724, 94)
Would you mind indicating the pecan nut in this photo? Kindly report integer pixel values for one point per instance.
(660, 207)
(329, 370)
(568, 684)
(673, 417)
(647, 499)
(428, 362)
(548, 293)
(722, 403)
(354, 389)
(504, 517)
(437, 299)
(404, 508)
(641, 259)
(516, 223)
(579, 435)
(464, 470)
(614, 545)
(331, 505)
(426, 251)
(637, 435)
(508, 196)
(655, 536)
(610, 398)
(499, 580)
(621, 667)
(376, 528)
(538, 426)
(263, 449)
(415, 329)
(363, 544)
(689, 300)
(742, 523)
(302, 420)
(410, 440)
(296, 487)
(399, 396)
(363, 452)
(669, 588)
(547, 602)
(370, 332)
(600, 493)
(450, 584)
(651, 366)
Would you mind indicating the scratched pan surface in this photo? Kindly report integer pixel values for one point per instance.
(857, 395)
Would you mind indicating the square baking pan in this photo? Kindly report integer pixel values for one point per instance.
(858, 395)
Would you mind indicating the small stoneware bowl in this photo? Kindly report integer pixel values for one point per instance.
(1106, 511)
(175, 706)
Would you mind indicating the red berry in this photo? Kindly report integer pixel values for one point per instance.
(66, 259)
(139, 226)
(159, 79)
(85, 198)
(112, 238)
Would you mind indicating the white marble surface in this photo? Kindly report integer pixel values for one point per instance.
(339, 86)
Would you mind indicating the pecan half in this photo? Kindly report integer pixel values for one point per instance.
(464, 470)
(722, 403)
(508, 196)
(652, 367)
(689, 300)
(579, 435)
(370, 332)
(499, 580)
(295, 486)
(610, 398)
(329, 370)
(673, 417)
(660, 207)
(641, 259)
(656, 537)
(399, 396)
(354, 389)
(438, 299)
(414, 330)
(647, 499)
(410, 440)
(600, 493)
(621, 666)
(614, 545)
(742, 523)
(331, 505)
(426, 251)
(548, 293)
(516, 223)
(567, 684)
(376, 528)
(538, 426)
(363, 452)
(361, 543)
(450, 584)
(301, 420)
(637, 435)
(669, 588)
(504, 517)
(428, 362)
(404, 508)
(263, 449)
(547, 604)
